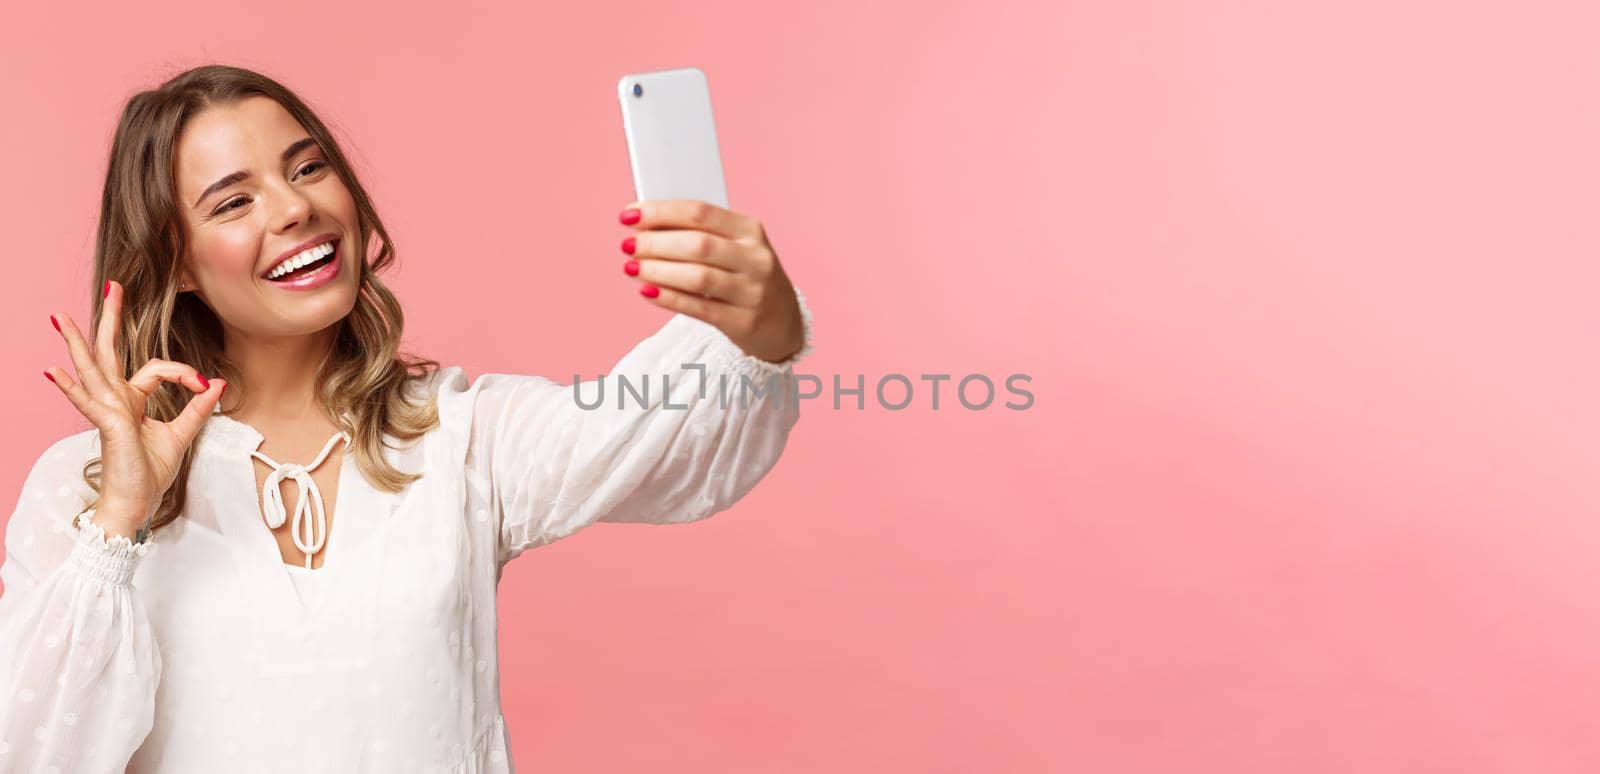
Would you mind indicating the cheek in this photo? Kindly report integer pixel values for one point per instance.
(340, 203)
(227, 253)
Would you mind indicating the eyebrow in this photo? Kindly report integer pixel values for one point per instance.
(236, 177)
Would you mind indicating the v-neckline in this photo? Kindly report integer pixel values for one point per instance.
(287, 636)
(316, 502)
(262, 546)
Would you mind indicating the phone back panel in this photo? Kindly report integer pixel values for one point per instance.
(672, 136)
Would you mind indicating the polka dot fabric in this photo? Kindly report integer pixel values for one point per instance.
(197, 651)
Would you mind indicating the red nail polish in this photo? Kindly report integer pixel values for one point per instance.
(53, 322)
(107, 291)
(627, 245)
(204, 385)
(631, 268)
(48, 376)
(630, 216)
(649, 291)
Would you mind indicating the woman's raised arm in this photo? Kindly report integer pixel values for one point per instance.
(79, 663)
(684, 424)
(554, 460)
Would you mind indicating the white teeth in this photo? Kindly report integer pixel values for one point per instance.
(303, 258)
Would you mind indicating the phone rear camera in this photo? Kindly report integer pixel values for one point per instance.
(637, 90)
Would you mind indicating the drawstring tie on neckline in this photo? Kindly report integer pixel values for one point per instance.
(315, 534)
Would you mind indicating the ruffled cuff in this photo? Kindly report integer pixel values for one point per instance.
(736, 361)
(109, 560)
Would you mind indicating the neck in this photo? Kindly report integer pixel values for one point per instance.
(281, 372)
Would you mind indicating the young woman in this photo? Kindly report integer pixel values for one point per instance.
(236, 247)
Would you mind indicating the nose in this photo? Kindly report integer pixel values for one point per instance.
(294, 208)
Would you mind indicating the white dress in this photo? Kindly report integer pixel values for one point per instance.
(196, 651)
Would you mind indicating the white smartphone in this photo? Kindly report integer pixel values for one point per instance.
(672, 136)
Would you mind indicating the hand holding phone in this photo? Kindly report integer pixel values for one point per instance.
(693, 254)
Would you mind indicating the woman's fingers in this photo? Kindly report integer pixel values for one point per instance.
(91, 409)
(105, 345)
(188, 422)
(697, 279)
(194, 415)
(718, 313)
(88, 372)
(694, 214)
(688, 245)
(153, 373)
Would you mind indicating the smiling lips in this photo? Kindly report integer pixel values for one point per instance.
(298, 251)
(291, 274)
(303, 258)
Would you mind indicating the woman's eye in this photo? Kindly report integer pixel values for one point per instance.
(240, 201)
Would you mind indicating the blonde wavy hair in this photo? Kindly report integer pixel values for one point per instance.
(140, 242)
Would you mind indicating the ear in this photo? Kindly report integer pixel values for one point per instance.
(186, 281)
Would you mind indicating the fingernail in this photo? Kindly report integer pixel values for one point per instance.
(630, 216)
(48, 376)
(631, 268)
(649, 291)
(204, 385)
(223, 388)
(627, 245)
(107, 290)
(53, 322)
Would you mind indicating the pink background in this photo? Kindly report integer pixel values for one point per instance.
(1306, 291)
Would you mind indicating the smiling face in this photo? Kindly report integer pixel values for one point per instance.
(240, 231)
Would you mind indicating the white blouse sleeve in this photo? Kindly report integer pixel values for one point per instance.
(685, 442)
(79, 662)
